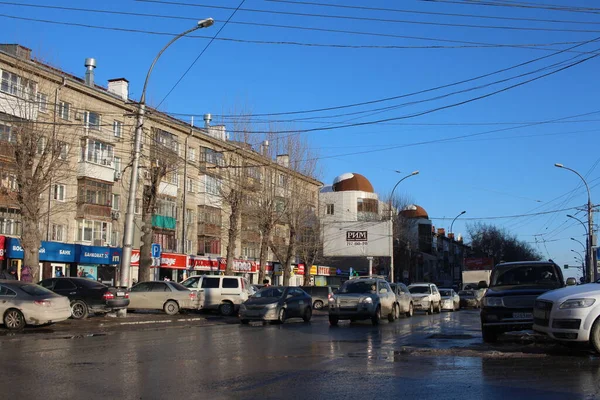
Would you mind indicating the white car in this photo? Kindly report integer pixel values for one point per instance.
(570, 314)
(450, 299)
(220, 292)
(426, 297)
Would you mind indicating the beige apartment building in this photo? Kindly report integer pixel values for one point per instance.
(86, 193)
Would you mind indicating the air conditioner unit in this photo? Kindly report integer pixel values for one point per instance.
(117, 175)
(115, 214)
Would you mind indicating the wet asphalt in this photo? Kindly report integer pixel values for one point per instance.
(424, 357)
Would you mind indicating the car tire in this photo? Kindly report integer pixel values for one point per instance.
(410, 311)
(226, 309)
(307, 314)
(333, 320)
(595, 335)
(392, 315)
(244, 321)
(281, 317)
(397, 312)
(489, 335)
(171, 307)
(439, 308)
(14, 320)
(377, 317)
(431, 310)
(79, 310)
(318, 305)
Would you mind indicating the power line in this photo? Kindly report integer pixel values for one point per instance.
(521, 5)
(506, 216)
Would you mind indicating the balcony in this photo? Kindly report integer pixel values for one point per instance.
(250, 236)
(94, 211)
(104, 171)
(167, 189)
(18, 107)
(208, 229)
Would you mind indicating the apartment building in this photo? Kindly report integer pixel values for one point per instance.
(85, 196)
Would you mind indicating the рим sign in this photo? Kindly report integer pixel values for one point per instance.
(357, 238)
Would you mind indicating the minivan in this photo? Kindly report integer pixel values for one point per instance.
(320, 295)
(219, 292)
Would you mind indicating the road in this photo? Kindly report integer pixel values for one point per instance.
(439, 356)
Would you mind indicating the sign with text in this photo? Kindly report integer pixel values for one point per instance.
(357, 239)
(478, 263)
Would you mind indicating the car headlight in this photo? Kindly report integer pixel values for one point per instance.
(493, 302)
(271, 305)
(367, 300)
(577, 303)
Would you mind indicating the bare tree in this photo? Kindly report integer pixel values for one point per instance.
(34, 152)
(310, 245)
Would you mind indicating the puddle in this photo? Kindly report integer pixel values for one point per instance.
(450, 336)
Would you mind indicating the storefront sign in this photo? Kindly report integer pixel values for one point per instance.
(313, 270)
(299, 270)
(171, 260)
(211, 264)
(2, 238)
(92, 255)
(49, 251)
(324, 271)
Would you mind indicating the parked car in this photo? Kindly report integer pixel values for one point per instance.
(320, 295)
(364, 298)
(450, 299)
(469, 299)
(88, 296)
(277, 303)
(571, 314)
(426, 297)
(508, 303)
(171, 297)
(24, 304)
(404, 298)
(222, 293)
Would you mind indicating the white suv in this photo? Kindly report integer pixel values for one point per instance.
(570, 314)
(218, 292)
(426, 297)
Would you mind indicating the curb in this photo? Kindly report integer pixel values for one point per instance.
(161, 321)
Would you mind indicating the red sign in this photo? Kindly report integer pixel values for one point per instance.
(300, 269)
(323, 271)
(167, 260)
(2, 238)
(478, 264)
(208, 264)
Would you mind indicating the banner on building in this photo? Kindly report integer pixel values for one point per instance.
(2, 247)
(356, 239)
(478, 263)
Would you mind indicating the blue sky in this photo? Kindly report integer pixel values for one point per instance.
(493, 174)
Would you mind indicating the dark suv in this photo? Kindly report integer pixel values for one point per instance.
(320, 295)
(508, 303)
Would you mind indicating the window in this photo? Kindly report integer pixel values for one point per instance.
(64, 284)
(10, 226)
(63, 149)
(188, 247)
(94, 192)
(160, 287)
(166, 239)
(189, 185)
(58, 233)
(117, 129)
(9, 181)
(92, 120)
(138, 207)
(330, 209)
(4, 291)
(116, 202)
(41, 144)
(58, 192)
(114, 239)
(42, 102)
(189, 216)
(166, 208)
(191, 154)
(249, 252)
(209, 245)
(117, 162)
(210, 283)
(167, 140)
(142, 287)
(213, 185)
(211, 156)
(64, 110)
(367, 205)
(89, 231)
(174, 179)
(230, 283)
(18, 86)
(6, 134)
(99, 153)
(282, 180)
(209, 215)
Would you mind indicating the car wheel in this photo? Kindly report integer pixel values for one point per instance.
(307, 314)
(489, 335)
(226, 309)
(430, 311)
(14, 320)
(318, 305)
(410, 311)
(595, 335)
(333, 321)
(439, 308)
(281, 317)
(244, 321)
(171, 307)
(392, 315)
(79, 310)
(397, 311)
(377, 317)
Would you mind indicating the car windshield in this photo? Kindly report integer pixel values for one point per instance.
(419, 289)
(271, 292)
(358, 287)
(191, 283)
(525, 275)
(445, 293)
(36, 290)
(466, 293)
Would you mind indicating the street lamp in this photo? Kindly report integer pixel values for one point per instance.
(129, 216)
(578, 253)
(591, 270)
(452, 224)
(453, 249)
(392, 223)
(579, 241)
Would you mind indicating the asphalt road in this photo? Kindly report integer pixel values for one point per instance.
(424, 357)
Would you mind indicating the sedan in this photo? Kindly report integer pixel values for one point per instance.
(469, 298)
(450, 300)
(277, 303)
(88, 296)
(24, 303)
(161, 295)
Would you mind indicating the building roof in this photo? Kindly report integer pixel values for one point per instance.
(352, 181)
(414, 211)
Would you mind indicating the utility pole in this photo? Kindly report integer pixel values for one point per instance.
(185, 189)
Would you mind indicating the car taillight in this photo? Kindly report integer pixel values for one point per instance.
(108, 296)
(126, 295)
(43, 303)
(193, 295)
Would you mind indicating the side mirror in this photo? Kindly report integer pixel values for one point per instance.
(482, 285)
(571, 282)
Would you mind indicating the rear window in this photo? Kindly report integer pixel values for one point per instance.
(445, 293)
(525, 274)
(90, 284)
(230, 283)
(36, 290)
(179, 287)
(420, 289)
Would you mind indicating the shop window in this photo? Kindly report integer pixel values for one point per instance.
(230, 283)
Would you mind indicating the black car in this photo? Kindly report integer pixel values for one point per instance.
(88, 296)
(277, 303)
(320, 295)
(508, 303)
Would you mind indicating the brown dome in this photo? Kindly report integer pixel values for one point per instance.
(414, 211)
(352, 181)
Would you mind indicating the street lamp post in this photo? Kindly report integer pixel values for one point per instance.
(585, 247)
(453, 250)
(129, 217)
(392, 224)
(591, 269)
(579, 241)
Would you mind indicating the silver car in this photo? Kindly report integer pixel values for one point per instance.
(404, 298)
(158, 295)
(450, 300)
(24, 303)
(364, 298)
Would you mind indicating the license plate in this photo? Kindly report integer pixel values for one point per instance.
(120, 294)
(522, 315)
(542, 314)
